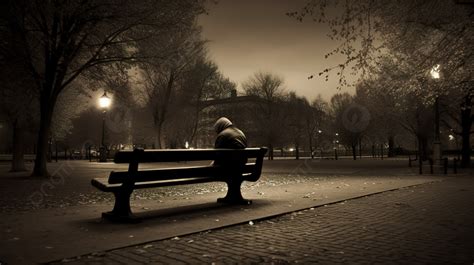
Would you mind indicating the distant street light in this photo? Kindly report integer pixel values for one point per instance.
(435, 73)
(336, 145)
(320, 144)
(104, 104)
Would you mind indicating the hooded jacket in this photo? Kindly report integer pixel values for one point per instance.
(229, 136)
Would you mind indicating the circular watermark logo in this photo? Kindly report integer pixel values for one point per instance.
(355, 118)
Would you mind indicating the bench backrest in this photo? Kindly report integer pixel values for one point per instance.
(137, 156)
(174, 155)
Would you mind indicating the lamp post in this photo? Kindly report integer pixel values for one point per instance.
(435, 74)
(104, 104)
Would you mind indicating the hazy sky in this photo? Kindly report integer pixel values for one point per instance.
(247, 36)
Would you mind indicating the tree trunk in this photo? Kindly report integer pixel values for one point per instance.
(381, 151)
(47, 102)
(198, 110)
(40, 168)
(270, 152)
(423, 147)
(391, 143)
(195, 127)
(354, 154)
(159, 135)
(297, 152)
(18, 160)
(49, 156)
(466, 122)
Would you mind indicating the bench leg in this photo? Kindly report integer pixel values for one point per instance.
(122, 212)
(234, 195)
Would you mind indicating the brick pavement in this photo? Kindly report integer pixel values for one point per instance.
(426, 224)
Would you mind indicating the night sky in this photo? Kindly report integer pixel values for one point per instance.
(247, 36)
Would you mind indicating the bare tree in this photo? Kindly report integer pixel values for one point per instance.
(60, 40)
(420, 34)
(315, 117)
(269, 88)
(348, 121)
(18, 103)
(163, 78)
(385, 116)
(297, 111)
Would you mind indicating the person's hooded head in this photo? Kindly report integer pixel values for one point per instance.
(221, 124)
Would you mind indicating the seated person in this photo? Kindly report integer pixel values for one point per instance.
(229, 136)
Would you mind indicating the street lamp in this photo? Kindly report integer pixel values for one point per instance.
(104, 104)
(435, 74)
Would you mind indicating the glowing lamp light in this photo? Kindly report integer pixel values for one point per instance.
(435, 71)
(319, 131)
(291, 149)
(104, 101)
(186, 145)
(451, 137)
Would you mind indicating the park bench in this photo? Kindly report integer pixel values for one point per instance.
(122, 183)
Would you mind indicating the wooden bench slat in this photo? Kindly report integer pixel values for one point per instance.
(174, 173)
(173, 155)
(103, 185)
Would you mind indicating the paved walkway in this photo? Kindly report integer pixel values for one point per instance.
(425, 224)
